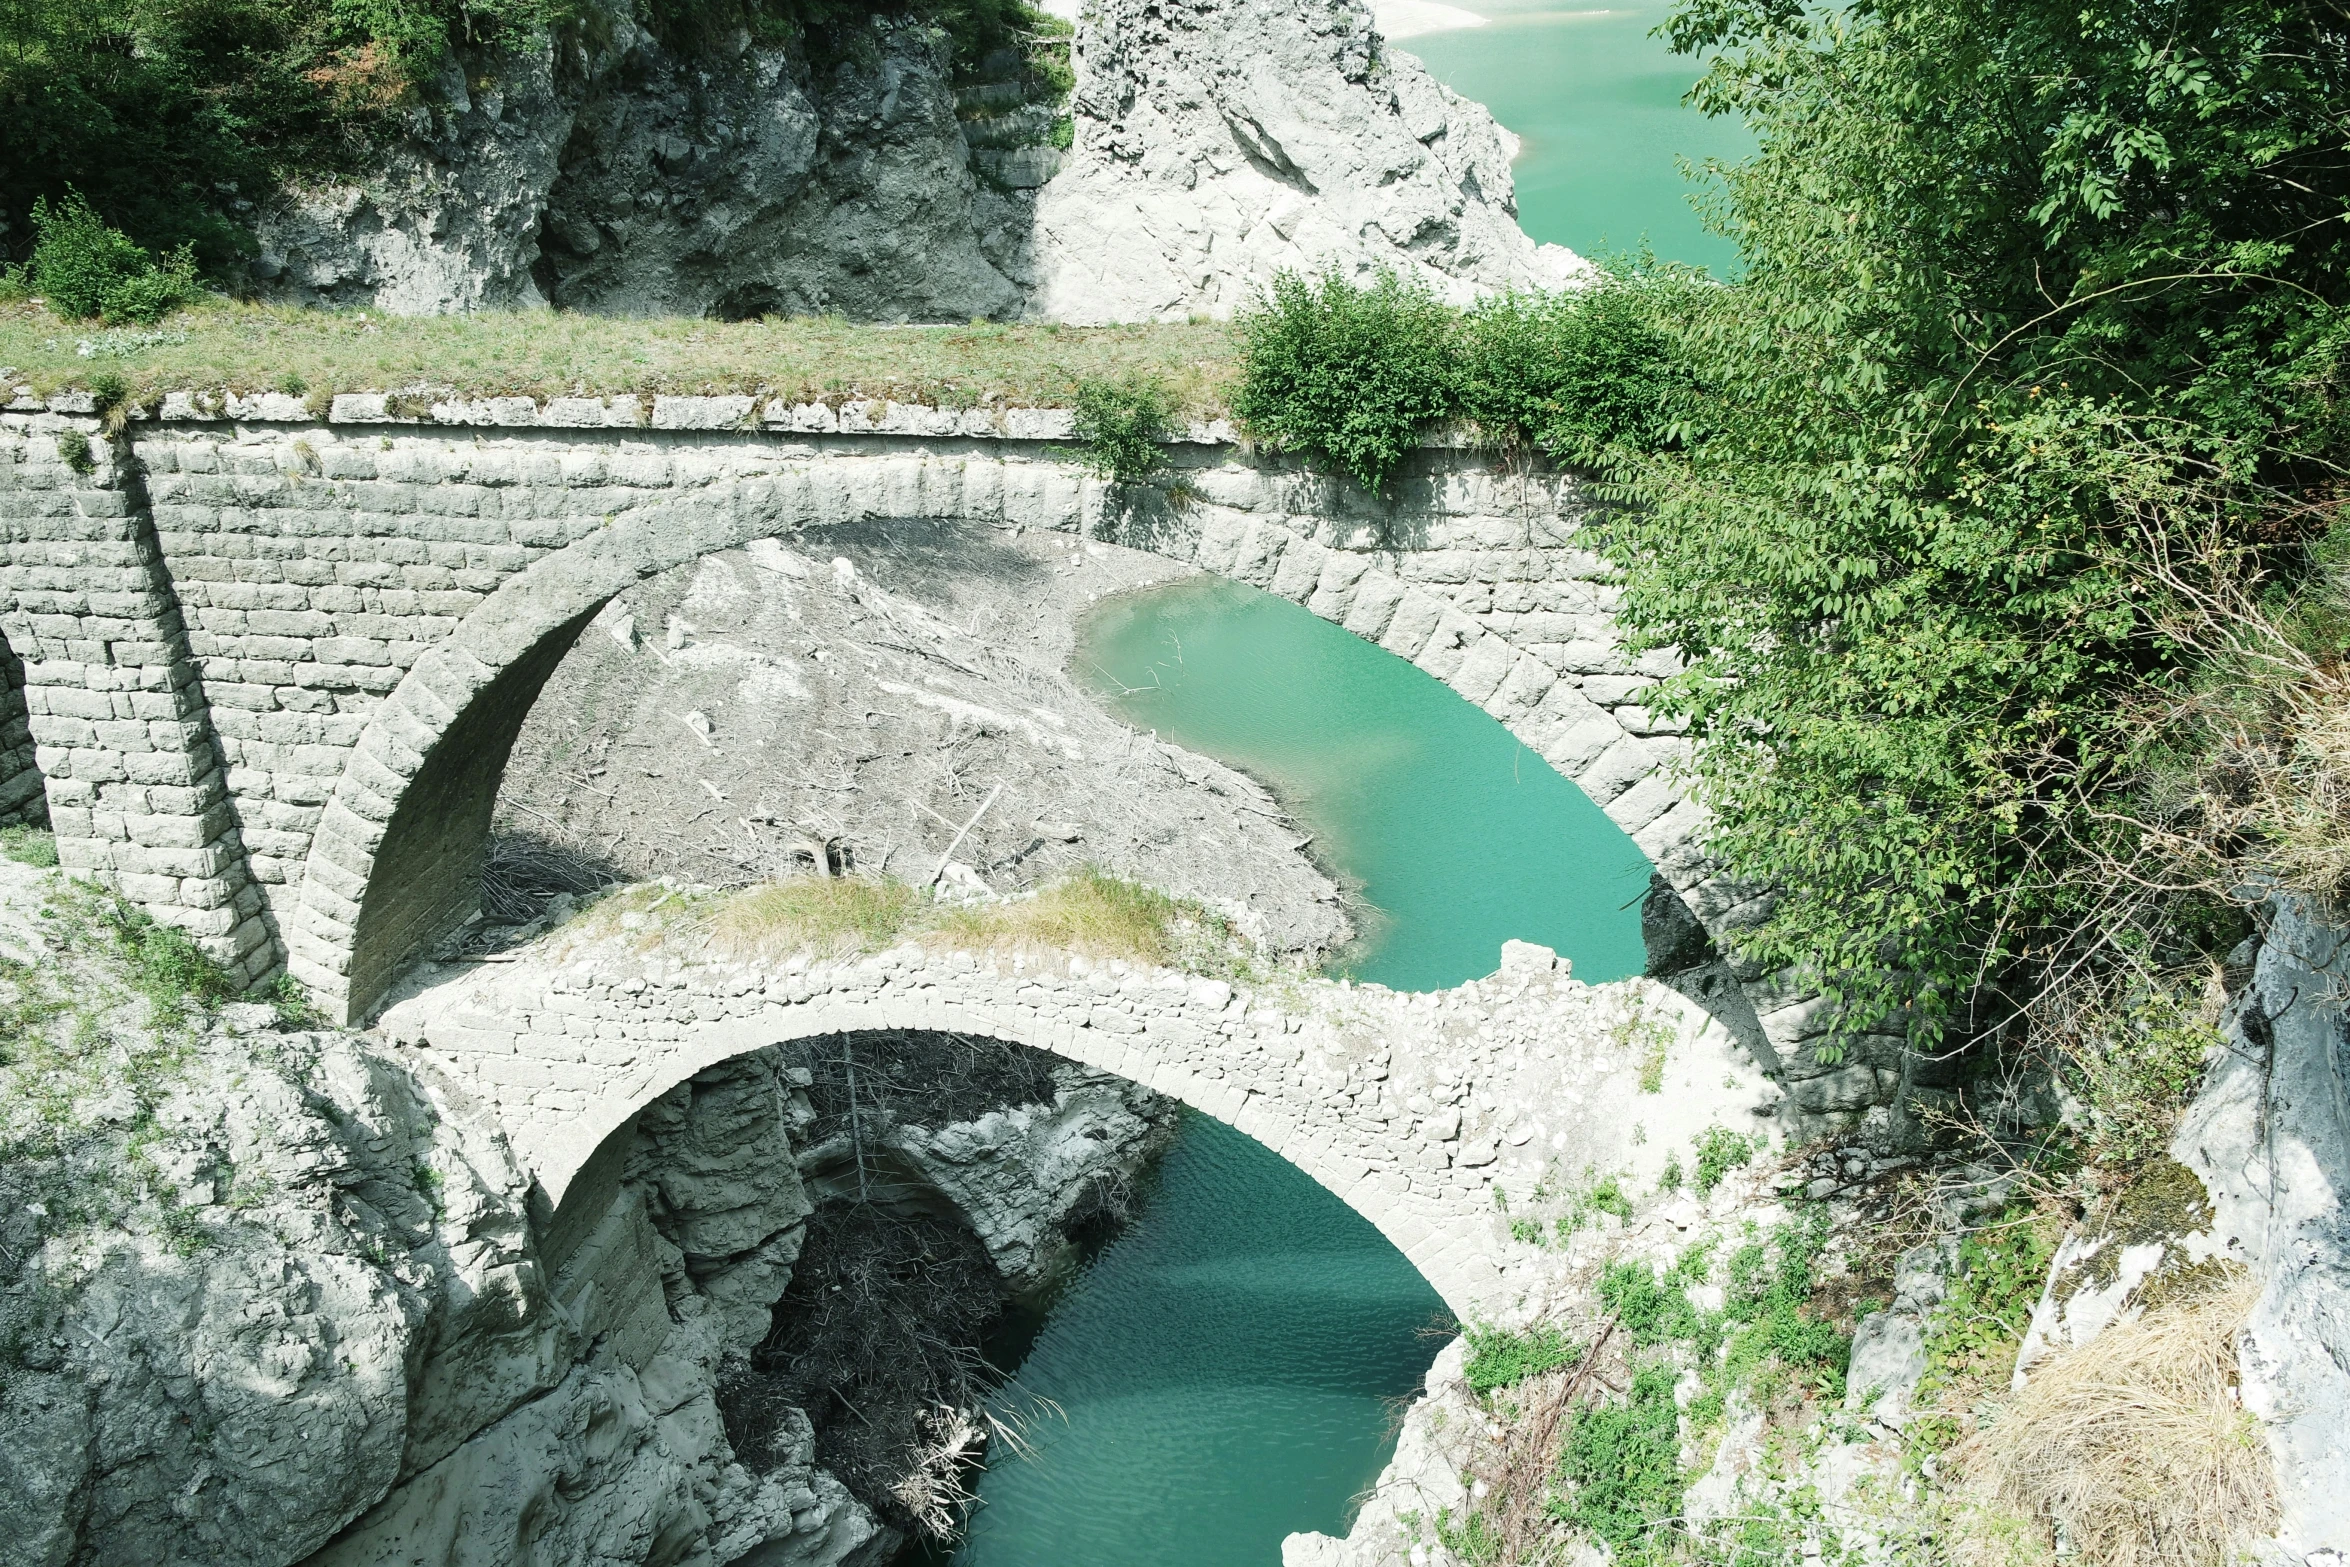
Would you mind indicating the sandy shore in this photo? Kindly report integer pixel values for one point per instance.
(1411, 18)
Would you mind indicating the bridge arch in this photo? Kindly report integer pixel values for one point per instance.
(575, 1167)
(1409, 1108)
(392, 862)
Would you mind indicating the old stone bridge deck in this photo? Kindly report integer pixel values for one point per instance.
(269, 663)
(1412, 1108)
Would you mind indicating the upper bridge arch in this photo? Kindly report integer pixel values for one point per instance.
(370, 607)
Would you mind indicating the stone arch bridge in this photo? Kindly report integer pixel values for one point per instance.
(270, 664)
(1412, 1108)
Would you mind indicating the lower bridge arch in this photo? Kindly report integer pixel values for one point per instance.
(1410, 1108)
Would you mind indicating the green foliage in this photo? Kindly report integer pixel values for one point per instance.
(1770, 1294)
(1500, 1359)
(1352, 375)
(1356, 375)
(34, 846)
(1622, 1463)
(2030, 294)
(1120, 424)
(1719, 1152)
(2136, 1065)
(1574, 373)
(2001, 1269)
(89, 269)
(73, 449)
(1652, 1310)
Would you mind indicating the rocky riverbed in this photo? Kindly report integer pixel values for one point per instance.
(884, 699)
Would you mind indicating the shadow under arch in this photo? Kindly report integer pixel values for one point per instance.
(586, 1185)
(23, 793)
(427, 871)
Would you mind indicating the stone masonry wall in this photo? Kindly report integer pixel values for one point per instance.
(21, 796)
(1410, 1107)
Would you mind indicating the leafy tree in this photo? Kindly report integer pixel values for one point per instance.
(2033, 294)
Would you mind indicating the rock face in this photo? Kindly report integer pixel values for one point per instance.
(626, 177)
(846, 693)
(2269, 1135)
(1214, 143)
(274, 1296)
(752, 186)
(1219, 141)
(338, 1289)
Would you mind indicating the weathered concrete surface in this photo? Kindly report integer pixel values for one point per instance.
(1408, 1107)
(273, 668)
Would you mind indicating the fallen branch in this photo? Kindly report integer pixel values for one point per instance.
(947, 858)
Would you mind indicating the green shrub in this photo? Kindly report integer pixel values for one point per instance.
(1573, 373)
(1499, 1359)
(1120, 425)
(88, 268)
(1352, 375)
(73, 449)
(1719, 1152)
(1622, 1465)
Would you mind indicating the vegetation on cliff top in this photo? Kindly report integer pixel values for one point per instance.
(1989, 505)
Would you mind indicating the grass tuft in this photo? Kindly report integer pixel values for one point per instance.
(2133, 1448)
(813, 914)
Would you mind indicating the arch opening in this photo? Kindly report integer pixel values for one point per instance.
(877, 1310)
(425, 879)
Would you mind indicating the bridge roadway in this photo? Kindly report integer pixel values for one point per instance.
(1412, 1108)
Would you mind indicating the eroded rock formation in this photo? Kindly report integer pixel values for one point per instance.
(274, 1295)
(1209, 144)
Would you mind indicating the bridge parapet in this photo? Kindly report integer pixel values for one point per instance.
(1411, 1108)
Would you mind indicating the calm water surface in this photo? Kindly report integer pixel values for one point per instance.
(1226, 1367)
(1597, 102)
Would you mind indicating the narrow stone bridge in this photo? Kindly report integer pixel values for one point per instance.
(270, 664)
(1412, 1108)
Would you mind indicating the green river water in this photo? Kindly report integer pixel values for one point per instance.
(1597, 103)
(1226, 1366)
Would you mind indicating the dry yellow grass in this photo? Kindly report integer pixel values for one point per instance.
(546, 353)
(1093, 913)
(2133, 1446)
(1088, 912)
(812, 914)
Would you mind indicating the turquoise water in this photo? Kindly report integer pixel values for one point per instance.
(1457, 834)
(1597, 102)
(1225, 1369)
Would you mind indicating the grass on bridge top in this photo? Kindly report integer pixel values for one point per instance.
(1088, 911)
(548, 353)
